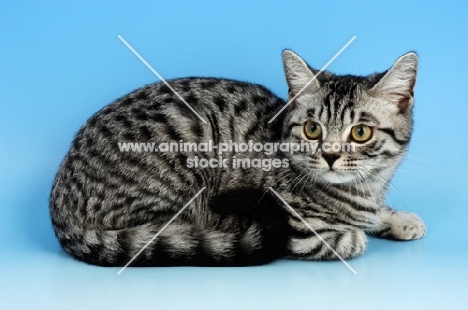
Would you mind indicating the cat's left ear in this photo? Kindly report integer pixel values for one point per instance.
(298, 74)
(397, 84)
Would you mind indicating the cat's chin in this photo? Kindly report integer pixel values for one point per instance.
(336, 177)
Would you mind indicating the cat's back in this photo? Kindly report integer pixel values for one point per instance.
(189, 109)
(102, 171)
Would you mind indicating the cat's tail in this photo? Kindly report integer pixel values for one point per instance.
(176, 245)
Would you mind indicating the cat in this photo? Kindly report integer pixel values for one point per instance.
(106, 204)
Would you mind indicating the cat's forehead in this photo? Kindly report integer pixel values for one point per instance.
(344, 87)
(339, 101)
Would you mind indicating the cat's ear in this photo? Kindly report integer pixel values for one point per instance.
(298, 74)
(398, 83)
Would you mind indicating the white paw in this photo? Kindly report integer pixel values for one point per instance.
(407, 226)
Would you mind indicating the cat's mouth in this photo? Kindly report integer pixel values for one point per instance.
(334, 175)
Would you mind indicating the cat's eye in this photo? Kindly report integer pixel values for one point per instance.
(361, 133)
(312, 130)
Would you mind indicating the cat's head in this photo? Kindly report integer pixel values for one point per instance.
(362, 125)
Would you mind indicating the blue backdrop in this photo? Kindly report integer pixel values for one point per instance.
(62, 61)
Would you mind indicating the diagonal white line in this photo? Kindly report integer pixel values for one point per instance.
(159, 232)
(161, 78)
(313, 230)
(313, 79)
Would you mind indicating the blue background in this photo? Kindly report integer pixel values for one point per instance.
(61, 61)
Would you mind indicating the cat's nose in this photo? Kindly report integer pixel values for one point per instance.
(330, 158)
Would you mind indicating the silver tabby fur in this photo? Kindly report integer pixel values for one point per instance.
(106, 204)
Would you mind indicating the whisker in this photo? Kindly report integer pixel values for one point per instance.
(415, 162)
(398, 169)
(298, 182)
(303, 185)
(291, 182)
(391, 185)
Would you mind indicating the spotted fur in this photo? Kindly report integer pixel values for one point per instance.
(106, 204)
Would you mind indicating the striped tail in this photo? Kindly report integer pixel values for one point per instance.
(177, 245)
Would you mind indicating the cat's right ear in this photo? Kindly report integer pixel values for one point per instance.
(298, 74)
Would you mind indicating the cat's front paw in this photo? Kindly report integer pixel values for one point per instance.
(408, 226)
(347, 244)
(401, 226)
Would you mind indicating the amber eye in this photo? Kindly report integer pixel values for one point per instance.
(361, 133)
(312, 130)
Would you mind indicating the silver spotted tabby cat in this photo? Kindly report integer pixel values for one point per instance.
(108, 202)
